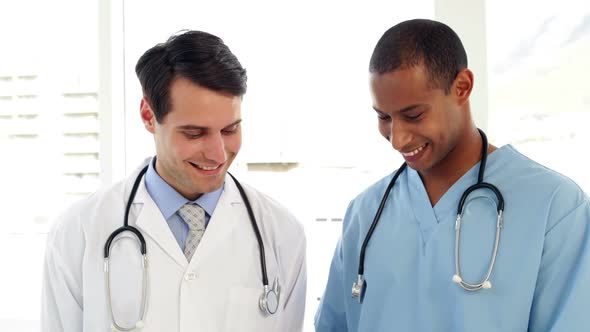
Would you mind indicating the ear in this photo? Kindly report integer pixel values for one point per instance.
(463, 85)
(147, 115)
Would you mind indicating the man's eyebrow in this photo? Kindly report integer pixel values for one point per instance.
(403, 110)
(191, 127)
(377, 110)
(409, 108)
(238, 121)
(195, 127)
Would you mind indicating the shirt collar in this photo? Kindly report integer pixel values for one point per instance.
(169, 200)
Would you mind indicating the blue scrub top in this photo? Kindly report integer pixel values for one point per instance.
(541, 280)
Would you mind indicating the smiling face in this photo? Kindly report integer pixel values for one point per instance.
(197, 140)
(422, 122)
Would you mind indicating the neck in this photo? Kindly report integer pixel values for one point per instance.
(457, 162)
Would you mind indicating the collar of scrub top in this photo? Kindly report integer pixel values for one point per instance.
(169, 200)
(358, 288)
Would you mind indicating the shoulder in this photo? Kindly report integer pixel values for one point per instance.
(280, 216)
(361, 209)
(72, 224)
(542, 185)
(522, 168)
(372, 195)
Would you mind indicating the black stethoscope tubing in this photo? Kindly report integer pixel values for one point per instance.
(479, 185)
(143, 249)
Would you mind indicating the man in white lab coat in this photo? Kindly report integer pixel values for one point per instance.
(204, 266)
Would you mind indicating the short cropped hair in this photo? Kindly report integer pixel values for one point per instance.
(421, 42)
(195, 55)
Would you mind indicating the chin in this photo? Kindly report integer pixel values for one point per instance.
(212, 185)
(420, 166)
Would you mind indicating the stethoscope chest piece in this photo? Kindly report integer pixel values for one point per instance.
(358, 289)
(269, 299)
(268, 302)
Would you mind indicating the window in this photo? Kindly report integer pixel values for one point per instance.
(539, 97)
(307, 65)
(49, 137)
(307, 109)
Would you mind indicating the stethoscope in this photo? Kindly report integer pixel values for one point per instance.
(268, 301)
(359, 287)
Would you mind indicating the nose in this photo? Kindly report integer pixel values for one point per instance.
(399, 136)
(215, 149)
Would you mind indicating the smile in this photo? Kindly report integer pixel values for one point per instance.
(205, 168)
(414, 152)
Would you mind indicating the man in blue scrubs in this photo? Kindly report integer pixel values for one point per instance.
(420, 83)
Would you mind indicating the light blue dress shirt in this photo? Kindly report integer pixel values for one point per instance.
(540, 281)
(169, 201)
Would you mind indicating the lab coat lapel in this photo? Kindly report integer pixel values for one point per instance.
(229, 215)
(151, 222)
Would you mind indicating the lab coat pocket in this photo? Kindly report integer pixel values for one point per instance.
(244, 314)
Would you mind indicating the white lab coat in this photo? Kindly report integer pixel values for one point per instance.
(217, 291)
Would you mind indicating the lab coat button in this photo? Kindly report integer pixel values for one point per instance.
(190, 276)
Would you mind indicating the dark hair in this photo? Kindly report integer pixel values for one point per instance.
(421, 41)
(198, 56)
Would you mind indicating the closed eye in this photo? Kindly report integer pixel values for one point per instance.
(192, 135)
(414, 117)
(231, 129)
(382, 116)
